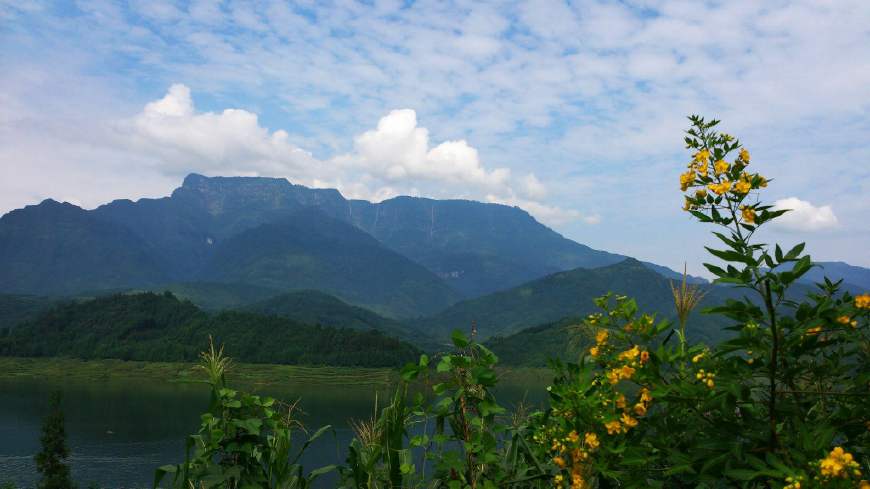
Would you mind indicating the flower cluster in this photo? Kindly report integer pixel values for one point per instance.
(839, 464)
(793, 482)
(572, 454)
(710, 171)
(706, 378)
(862, 301)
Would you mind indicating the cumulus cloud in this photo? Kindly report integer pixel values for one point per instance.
(395, 158)
(804, 216)
(399, 149)
(230, 142)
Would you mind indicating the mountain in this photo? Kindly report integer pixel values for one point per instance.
(857, 277)
(216, 296)
(560, 295)
(159, 327)
(476, 248)
(452, 249)
(315, 307)
(58, 248)
(310, 250)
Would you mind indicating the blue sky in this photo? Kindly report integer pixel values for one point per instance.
(571, 110)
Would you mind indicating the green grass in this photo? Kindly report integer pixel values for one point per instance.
(244, 374)
(68, 369)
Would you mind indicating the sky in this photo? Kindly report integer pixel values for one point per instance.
(574, 111)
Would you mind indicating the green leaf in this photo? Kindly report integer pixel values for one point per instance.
(459, 339)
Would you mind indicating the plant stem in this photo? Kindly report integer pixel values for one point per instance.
(774, 360)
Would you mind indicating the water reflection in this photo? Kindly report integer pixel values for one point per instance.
(120, 431)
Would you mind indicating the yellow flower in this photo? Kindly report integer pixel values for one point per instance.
(628, 421)
(701, 168)
(601, 337)
(702, 156)
(645, 395)
(594, 351)
(862, 301)
(720, 188)
(626, 372)
(700, 193)
(748, 214)
(573, 437)
(697, 358)
(620, 402)
(744, 156)
(559, 461)
(864, 485)
(686, 180)
(592, 441)
(838, 463)
(721, 167)
(613, 427)
(630, 354)
(742, 187)
(814, 331)
(844, 320)
(644, 357)
(639, 409)
(762, 182)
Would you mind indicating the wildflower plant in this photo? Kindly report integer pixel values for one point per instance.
(783, 403)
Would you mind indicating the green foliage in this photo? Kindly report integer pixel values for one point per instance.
(159, 327)
(244, 441)
(15, 309)
(51, 459)
(315, 307)
(452, 434)
(781, 404)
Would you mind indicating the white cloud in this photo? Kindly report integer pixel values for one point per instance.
(180, 139)
(804, 216)
(533, 188)
(399, 149)
(395, 158)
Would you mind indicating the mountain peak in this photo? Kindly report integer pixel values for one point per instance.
(194, 180)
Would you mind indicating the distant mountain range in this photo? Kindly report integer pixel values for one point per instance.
(413, 268)
(402, 257)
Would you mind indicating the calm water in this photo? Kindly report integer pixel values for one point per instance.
(119, 432)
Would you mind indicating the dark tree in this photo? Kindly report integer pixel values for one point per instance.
(50, 462)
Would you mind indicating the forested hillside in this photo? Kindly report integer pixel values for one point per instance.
(159, 327)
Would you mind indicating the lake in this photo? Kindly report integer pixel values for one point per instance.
(120, 430)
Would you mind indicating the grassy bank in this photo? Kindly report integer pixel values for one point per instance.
(68, 369)
(248, 374)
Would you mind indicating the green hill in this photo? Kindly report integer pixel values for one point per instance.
(159, 327)
(565, 294)
(315, 307)
(17, 308)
